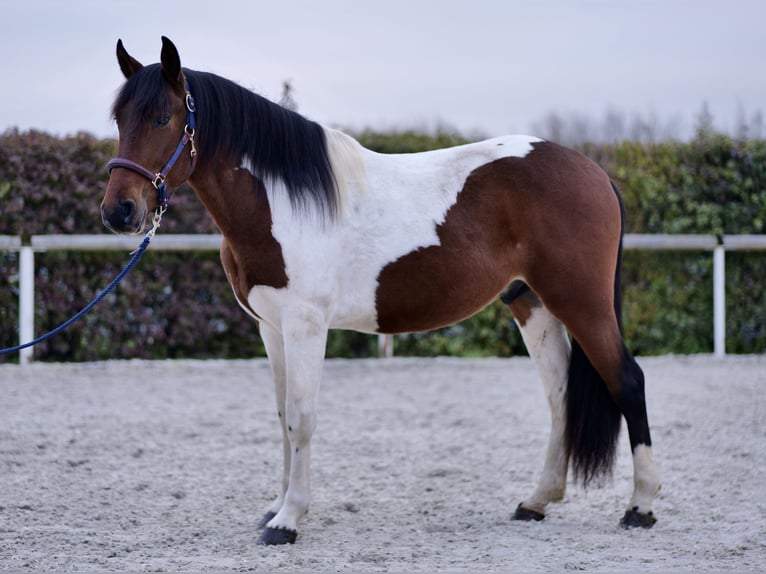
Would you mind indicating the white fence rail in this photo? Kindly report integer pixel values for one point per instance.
(41, 243)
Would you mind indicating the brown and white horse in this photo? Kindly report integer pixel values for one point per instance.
(321, 233)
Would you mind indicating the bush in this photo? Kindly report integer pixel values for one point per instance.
(180, 305)
(712, 185)
(171, 305)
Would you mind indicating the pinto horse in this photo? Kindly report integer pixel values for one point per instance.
(321, 233)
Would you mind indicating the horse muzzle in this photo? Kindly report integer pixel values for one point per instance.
(124, 217)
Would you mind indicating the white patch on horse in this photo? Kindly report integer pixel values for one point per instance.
(392, 206)
(546, 340)
(347, 166)
(646, 479)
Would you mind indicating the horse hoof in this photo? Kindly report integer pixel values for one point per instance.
(266, 519)
(635, 519)
(527, 515)
(277, 536)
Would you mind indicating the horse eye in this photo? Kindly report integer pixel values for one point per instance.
(161, 121)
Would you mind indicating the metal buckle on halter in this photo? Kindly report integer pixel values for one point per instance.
(158, 180)
(191, 105)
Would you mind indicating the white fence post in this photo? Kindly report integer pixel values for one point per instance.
(26, 302)
(385, 345)
(719, 301)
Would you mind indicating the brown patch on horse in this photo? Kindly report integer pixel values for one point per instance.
(250, 254)
(550, 218)
(521, 301)
(435, 286)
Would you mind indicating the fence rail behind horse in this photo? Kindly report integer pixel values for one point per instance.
(212, 242)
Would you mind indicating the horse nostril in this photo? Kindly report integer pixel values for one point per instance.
(126, 210)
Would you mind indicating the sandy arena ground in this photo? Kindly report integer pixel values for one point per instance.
(418, 465)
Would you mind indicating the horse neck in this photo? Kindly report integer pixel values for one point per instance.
(235, 199)
(238, 201)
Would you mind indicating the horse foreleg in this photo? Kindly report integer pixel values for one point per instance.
(546, 340)
(275, 350)
(304, 339)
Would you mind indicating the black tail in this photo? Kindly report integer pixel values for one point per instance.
(593, 418)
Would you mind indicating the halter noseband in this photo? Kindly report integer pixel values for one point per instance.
(158, 179)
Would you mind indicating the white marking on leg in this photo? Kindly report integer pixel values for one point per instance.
(305, 335)
(546, 340)
(646, 479)
(272, 340)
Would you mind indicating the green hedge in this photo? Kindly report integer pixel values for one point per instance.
(179, 305)
(712, 185)
(170, 305)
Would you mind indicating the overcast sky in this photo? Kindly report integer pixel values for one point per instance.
(494, 66)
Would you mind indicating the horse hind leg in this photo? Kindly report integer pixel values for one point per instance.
(546, 340)
(625, 388)
(646, 479)
(604, 380)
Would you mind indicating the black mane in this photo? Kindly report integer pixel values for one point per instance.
(277, 143)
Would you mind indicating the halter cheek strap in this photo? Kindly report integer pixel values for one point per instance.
(158, 179)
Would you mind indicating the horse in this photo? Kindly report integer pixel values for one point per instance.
(319, 233)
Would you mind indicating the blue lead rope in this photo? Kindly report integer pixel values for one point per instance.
(136, 255)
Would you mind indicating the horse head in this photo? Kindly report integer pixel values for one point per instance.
(155, 118)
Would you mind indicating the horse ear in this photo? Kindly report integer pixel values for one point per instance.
(171, 65)
(128, 64)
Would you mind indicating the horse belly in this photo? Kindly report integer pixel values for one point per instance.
(428, 288)
(436, 287)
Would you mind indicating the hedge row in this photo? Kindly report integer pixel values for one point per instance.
(179, 305)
